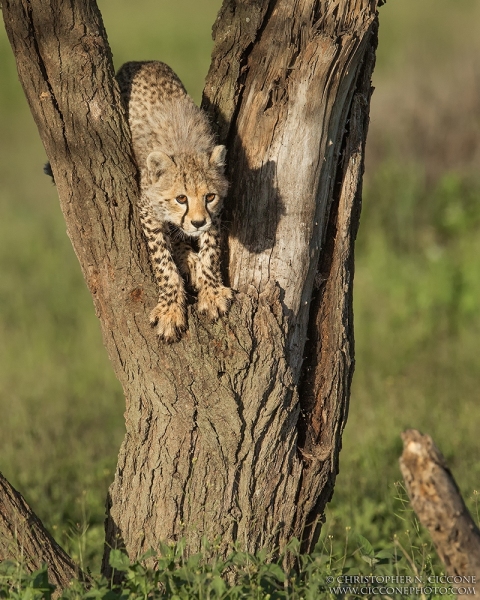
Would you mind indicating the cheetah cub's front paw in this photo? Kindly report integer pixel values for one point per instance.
(214, 302)
(170, 321)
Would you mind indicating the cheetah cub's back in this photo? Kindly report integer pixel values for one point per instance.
(182, 185)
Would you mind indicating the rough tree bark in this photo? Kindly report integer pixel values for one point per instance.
(23, 538)
(437, 501)
(235, 431)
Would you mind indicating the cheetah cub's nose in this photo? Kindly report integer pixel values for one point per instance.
(198, 224)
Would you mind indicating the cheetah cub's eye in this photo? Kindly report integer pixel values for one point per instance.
(182, 199)
(210, 197)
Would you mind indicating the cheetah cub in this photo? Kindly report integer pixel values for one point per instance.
(182, 185)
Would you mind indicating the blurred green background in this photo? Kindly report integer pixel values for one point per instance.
(417, 282)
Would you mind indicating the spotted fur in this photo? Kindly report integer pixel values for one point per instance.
(182, 189)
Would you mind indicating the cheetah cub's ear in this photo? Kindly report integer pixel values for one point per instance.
(157, 164)
(218, 156)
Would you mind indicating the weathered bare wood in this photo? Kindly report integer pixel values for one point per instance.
(229, 433)
(24, 539)
(290, 69)
(436, 499)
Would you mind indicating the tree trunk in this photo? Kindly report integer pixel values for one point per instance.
(235, 431)
(437, 501)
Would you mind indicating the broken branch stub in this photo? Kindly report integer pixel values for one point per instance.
(436, 499)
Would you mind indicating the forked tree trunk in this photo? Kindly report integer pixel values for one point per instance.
(235, 431)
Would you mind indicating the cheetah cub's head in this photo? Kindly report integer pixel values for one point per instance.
(187, 189)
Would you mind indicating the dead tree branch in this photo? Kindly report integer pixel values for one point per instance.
(23, 538)
(436, 499)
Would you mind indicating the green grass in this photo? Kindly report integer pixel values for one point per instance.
(417, 331)
(417, 289)
(171, 573)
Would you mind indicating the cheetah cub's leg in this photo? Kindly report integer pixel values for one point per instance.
(213, 297)
(169, 314)
(187, 260)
